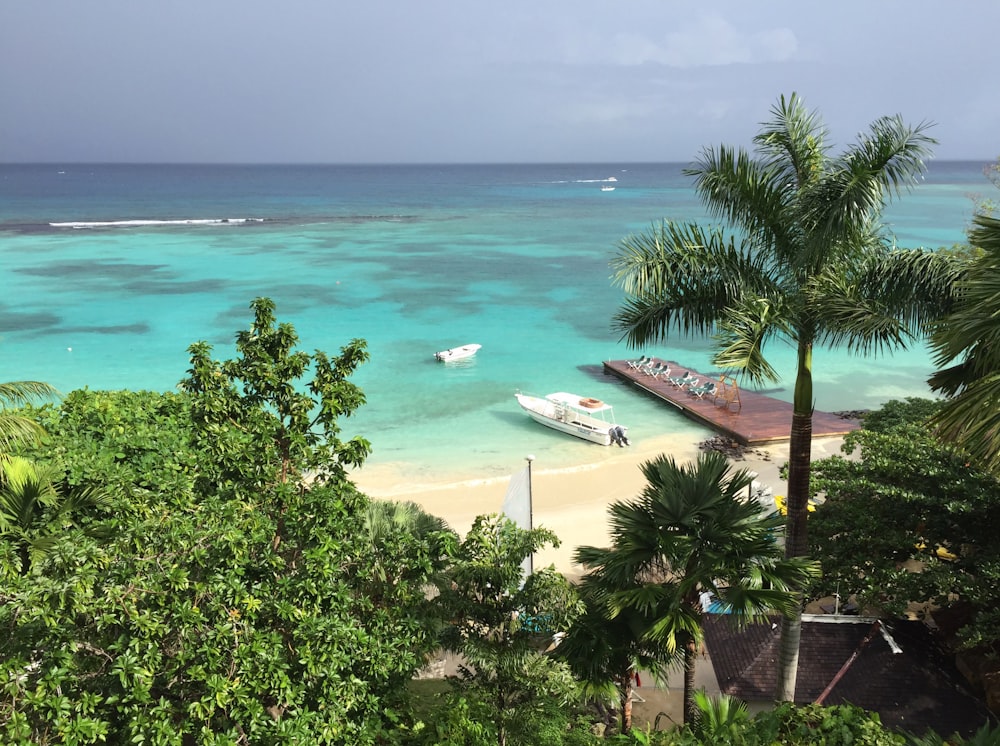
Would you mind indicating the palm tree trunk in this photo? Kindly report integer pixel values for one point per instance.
(690, 658)
(797, 503)
(626, 702)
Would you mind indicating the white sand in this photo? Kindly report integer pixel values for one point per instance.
(571, 502)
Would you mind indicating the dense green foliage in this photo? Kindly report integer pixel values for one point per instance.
(501, 624)
(232, 603)
(909, 521)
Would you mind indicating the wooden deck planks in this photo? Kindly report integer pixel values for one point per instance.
(760, 419)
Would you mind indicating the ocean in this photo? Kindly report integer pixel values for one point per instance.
(112, 271)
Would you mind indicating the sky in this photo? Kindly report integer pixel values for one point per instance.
(469, 81)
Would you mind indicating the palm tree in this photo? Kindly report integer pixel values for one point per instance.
(971, 335)
(34, 512)
(693, 530)
(16, 428)
(606, 652)
(391, 529)
(808, 263)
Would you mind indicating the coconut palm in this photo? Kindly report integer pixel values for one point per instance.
(971, 336)
(16, 428)
(34, 512)
(808, 263)
(692, 530)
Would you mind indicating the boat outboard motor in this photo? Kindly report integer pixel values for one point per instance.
(617, 434)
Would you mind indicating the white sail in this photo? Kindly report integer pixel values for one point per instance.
(517, 507)
(517, 501)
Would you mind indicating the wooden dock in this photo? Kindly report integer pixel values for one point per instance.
(748, 417)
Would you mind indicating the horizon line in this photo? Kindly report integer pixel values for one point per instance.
(990, 160)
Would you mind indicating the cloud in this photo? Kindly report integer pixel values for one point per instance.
(707, 41)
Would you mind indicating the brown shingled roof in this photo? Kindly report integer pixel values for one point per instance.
(916, 690)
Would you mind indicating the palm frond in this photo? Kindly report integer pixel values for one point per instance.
(740, 190)
(882, 164)
(916, 285)
(25, 490)
(743, 332)
(971, 421)
(678, 276)
(19, 393)
(970, 333)
(15, 429)
(793, 142)
(847, 316)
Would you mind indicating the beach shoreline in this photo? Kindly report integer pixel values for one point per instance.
(572, 502)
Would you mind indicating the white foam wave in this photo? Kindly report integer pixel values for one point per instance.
(145, 223)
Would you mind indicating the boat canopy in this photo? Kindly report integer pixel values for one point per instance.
(576, 401)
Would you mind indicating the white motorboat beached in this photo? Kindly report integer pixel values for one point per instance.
(590, 419)
(457, 353)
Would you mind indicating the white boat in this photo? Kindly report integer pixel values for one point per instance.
(590, 419)
(607, 189)
(457, 353)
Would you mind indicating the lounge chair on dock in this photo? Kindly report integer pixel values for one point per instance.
(706, 389)
(686, 380)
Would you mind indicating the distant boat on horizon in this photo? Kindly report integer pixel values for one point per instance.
(607, 189)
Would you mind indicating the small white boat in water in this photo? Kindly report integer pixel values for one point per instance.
(590, 419)
(607, 189)
(457, 353)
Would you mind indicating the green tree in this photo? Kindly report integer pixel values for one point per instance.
(231, 603)
(262, 428)
(693, 530)
(501, 629)
(966, 344)
(909, 520)
(18, 428)
(808, 263)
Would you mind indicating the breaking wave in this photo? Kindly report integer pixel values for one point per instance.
(80, 224)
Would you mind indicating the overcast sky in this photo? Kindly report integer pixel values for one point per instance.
(383, 81)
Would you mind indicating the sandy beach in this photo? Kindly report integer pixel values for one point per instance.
(571, 502)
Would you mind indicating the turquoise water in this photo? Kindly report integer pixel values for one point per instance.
(412, 259)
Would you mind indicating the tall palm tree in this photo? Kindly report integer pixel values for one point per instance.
(808, 262)
(971, 336)
(693, 529)
(16, 428)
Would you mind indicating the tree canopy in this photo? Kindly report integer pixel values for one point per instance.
(908, 523)
(232, 602)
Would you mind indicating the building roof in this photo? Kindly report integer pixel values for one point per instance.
(916, 689)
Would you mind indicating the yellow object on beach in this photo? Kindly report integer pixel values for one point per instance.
(940, 552)
(779, 503)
